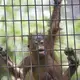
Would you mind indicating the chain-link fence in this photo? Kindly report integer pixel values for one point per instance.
(21, 21)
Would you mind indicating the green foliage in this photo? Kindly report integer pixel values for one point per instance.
(77, 26)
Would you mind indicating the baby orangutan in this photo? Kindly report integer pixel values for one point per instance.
(42, 60)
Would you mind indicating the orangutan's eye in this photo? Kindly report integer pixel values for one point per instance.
(42, 41)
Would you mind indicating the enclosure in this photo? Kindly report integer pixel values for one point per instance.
(19, 18)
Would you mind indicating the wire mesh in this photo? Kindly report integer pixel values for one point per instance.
(19, 18)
